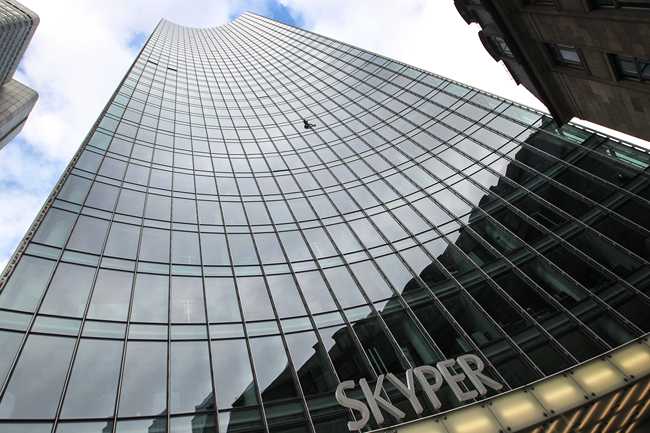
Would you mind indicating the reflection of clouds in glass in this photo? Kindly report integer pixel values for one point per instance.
(316, 293)
(144, 384)
(110, 300)
(301, 347)
(270, 360)
(189, 376)
(99, 359)
(232, 372)
(35, 386)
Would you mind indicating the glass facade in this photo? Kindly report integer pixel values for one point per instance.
(261, 213)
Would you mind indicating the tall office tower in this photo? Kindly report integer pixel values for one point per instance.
(17, 25)
(262, 215)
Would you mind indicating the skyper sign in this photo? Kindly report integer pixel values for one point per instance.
(429, 379)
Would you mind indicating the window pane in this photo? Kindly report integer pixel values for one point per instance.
(150, 298)
(233, 379)
(184, 210)
(131, 202)
(315, 292)
(156, 425)
(187, 300)
(233, 213)
(36, 383)
(158, 207)
(9, 341)
(242, 249)
(155, 245)
(285, 296)
(88, 235)
(213, 249)
(102, 196)
(110, 300)
(221, 300)
(68, 290)
(272, 368)
(254, 298)
(75, 189)
(26, 284)
(372, 282)
(295, 246)
(190, 377)
(99, 360)
(344, 287)
(185, 248)
(122, 241)
(84, 427)
(269, 248)
(310, 361)
(55, 228)
(144, 387)
(209, 212)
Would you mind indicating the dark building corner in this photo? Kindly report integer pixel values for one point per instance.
(558, 50)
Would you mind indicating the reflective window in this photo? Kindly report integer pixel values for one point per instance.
(69, 290)
(187, 300)
(242, 249)
(221, 300)
(36, 384)
(150, 298)
(272, 369)
(9, 341)
(110, 299)
(55, 228)
(88, 235)
(102, 196)
(214, 250)
(144, 387)
(310, 361)
(157, 207)
(122, 241)
(285, 296)
(131, 202)
(155, 245)
(344, 287)
(189, 371)
(99, 360)
(75, 189)
(254, 298)
(185, 248)
(233, 379)
(315, 292)
(27, 284)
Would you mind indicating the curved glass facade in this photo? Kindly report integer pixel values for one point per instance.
(261, 213)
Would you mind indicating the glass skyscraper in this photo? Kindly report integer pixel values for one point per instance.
(17, 26)
(261, 214)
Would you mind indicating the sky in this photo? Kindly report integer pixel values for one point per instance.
(80, 53)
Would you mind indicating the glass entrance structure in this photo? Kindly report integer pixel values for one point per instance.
(261, 213)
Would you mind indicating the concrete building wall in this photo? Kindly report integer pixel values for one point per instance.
(595, 91)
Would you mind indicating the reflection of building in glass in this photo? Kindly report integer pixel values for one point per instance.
(17, 25)
(208, 262)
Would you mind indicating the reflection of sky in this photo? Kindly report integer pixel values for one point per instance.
(232, 373)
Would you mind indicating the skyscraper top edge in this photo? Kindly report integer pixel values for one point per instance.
(216, 27)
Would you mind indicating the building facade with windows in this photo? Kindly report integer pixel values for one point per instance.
(17, 25)
(581, 58)
(262, 216)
